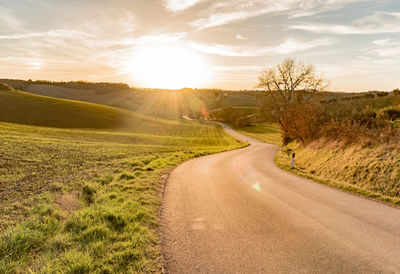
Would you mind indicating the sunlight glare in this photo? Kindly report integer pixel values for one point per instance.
(170, 68)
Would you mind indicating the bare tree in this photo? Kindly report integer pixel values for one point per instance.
(289, 81)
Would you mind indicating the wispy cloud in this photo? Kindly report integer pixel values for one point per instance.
(159, 38)
(287, 47)
(8, 20)
(65, 34)
(225, 50)
(240, 37)
(379, 22)
(388, 51)
(290, 46)
(382, 42)
(179, 5)
(238, 68)
(301, 8)
(228, 11)
(386, 47)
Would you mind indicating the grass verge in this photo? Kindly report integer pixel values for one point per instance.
(353, 169)
(372, 172)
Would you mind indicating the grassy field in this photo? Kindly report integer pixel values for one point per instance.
(372, 172)
(265, 132)
(84, 196)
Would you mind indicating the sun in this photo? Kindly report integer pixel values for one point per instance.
(168, 67)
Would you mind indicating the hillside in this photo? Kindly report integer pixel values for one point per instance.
(25, 108)
(29, 109)
(166, 104)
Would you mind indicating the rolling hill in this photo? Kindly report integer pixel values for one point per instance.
(78, 175)
(165, 104)
(25, 108)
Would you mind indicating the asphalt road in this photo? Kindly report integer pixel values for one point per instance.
(236, 212)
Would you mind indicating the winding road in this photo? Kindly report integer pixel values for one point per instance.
(237, 212)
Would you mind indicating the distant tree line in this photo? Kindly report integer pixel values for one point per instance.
(103, 86)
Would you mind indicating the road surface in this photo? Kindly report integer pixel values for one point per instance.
(236, 212)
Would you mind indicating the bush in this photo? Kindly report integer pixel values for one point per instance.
(344, 122)
(302, 122)
(391, 113)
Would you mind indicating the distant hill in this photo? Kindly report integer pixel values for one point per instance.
(166, 104)
(26, 108)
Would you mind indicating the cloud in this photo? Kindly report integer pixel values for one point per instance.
(65, 34)
(8, 20)
(238, 68)
(287, 47)
(240, 37)
(389, 51)
(379, 22)
(221, 13)
(302, 8)
(34, 65)
(159, 38)
(290, 46)
(225, 50)
(180, 5)
(382, 42)
(387, 47)
(228, 11)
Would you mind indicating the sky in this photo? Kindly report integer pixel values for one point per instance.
(200, 43)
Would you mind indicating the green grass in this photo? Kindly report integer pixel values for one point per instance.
(85, 196)
(24, 108)
(265, 132)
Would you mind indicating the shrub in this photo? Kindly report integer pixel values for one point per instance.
(382, 93)
(391, 113)
(302, 122)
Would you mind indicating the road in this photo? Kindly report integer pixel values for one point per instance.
(236, 212)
